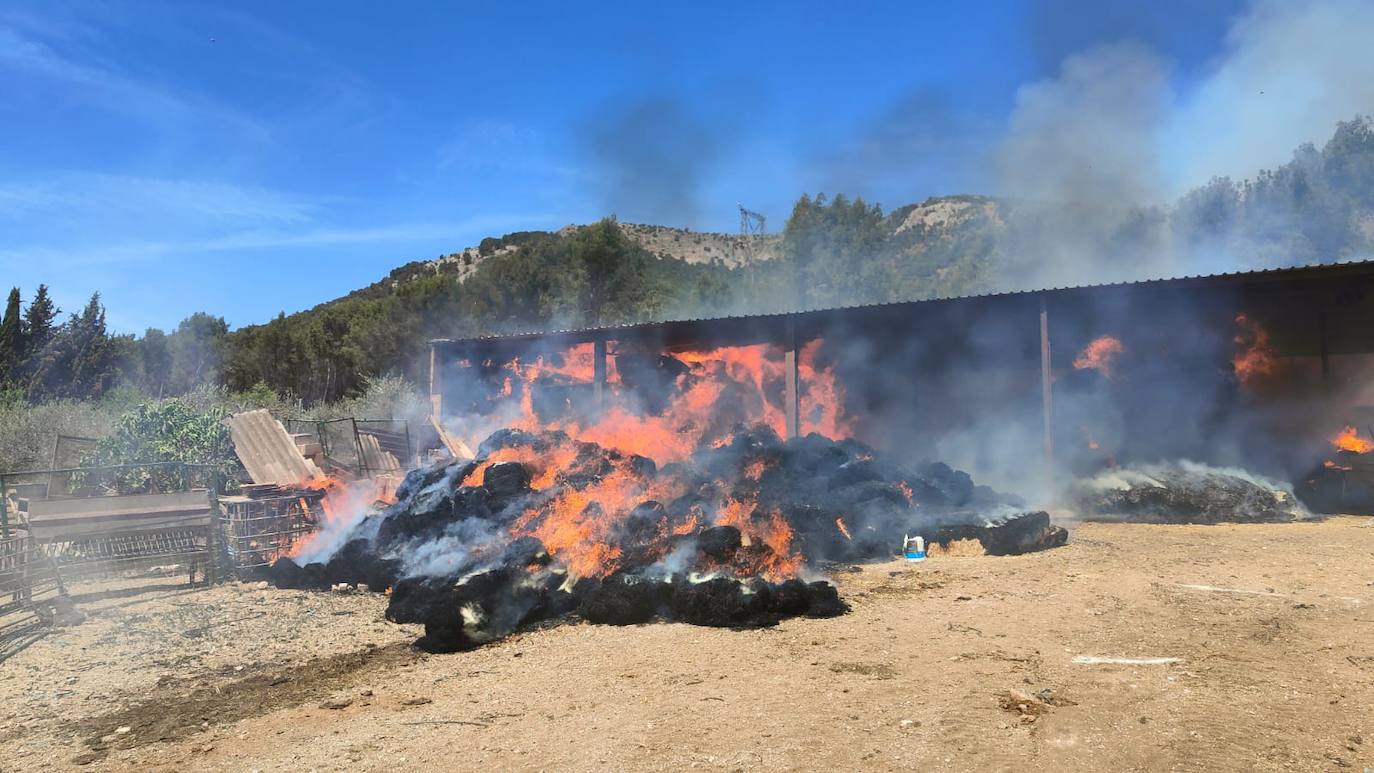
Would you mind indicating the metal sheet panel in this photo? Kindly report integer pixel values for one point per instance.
(267, 452)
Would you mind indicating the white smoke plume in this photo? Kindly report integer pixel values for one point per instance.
(1093, 156)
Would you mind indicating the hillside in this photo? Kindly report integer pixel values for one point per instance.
(1316, 208)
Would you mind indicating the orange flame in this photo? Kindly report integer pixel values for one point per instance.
(342, 501)
(1348, 439)
(906, 490)
(839, 524)
(1254, 356)
(722, 387)
(582, 518)
(1099, 354)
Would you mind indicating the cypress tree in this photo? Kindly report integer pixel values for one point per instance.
(38, 322)
(11, 340)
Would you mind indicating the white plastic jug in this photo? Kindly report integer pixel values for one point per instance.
(914, 547)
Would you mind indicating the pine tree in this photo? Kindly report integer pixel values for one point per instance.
(11, 340)
(79, 360)
(38, 331)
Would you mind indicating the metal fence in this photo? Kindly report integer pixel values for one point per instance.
(345, 443)
(258, 531)
(29, 587)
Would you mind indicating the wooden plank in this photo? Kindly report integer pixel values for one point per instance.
(455, 445)
(97, 528)
(46, 509)
(52, 520)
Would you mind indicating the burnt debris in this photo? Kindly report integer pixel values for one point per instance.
(476, 550)
(1184, 492)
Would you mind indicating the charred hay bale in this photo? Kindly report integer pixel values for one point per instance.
(719, 543)
(623, 599)
(592, 464)
(878, 495)
(939, 484)
(476, 608)
(525, 552)
(722, 602)
(1008, 535)
(286, 573)
(643, 466)
(791, 598)
(814, 454)
(539, 442)
(853, 473)
(1184, 493)
(823, 600)
(314, 577)
(427, 515)
(418, 599)
(753, 440)
(638, 535)
(424, 477)
(357, 562)
(506, 479)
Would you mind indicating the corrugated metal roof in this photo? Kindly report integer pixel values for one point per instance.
(267, 452)
(1261, 273)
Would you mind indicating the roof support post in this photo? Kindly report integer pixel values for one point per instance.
(1047, 393)
(599, 373)
(791, 408)
(436, 392)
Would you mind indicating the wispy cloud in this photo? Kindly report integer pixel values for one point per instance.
(89, 255)
(93, 197)
(47, 58)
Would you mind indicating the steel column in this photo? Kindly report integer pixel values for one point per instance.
(436, 398)
(1047, 390)
(599, 372)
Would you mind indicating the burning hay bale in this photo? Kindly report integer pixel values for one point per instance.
(1185, 492)
(540, 525)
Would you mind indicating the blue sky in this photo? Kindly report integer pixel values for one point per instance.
(248, 158)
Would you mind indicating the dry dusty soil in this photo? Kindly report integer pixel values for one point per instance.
(960, 663)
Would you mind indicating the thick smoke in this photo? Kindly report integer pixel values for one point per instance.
(1094, 156)
(651, 156)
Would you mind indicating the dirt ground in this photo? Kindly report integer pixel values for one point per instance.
(959, 663)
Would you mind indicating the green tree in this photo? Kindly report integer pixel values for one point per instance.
(197, 349)
(11, 340)
(79, 361)
(155, 361)
(835, 250)
(166, 431)
(39, 319)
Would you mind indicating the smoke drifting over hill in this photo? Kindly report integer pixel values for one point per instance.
(1095, 154)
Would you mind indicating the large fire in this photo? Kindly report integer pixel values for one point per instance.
(669, 491)
(1255, 357)
(1348, 439)
(1099, 355)
(719, 389)
(714, 393)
